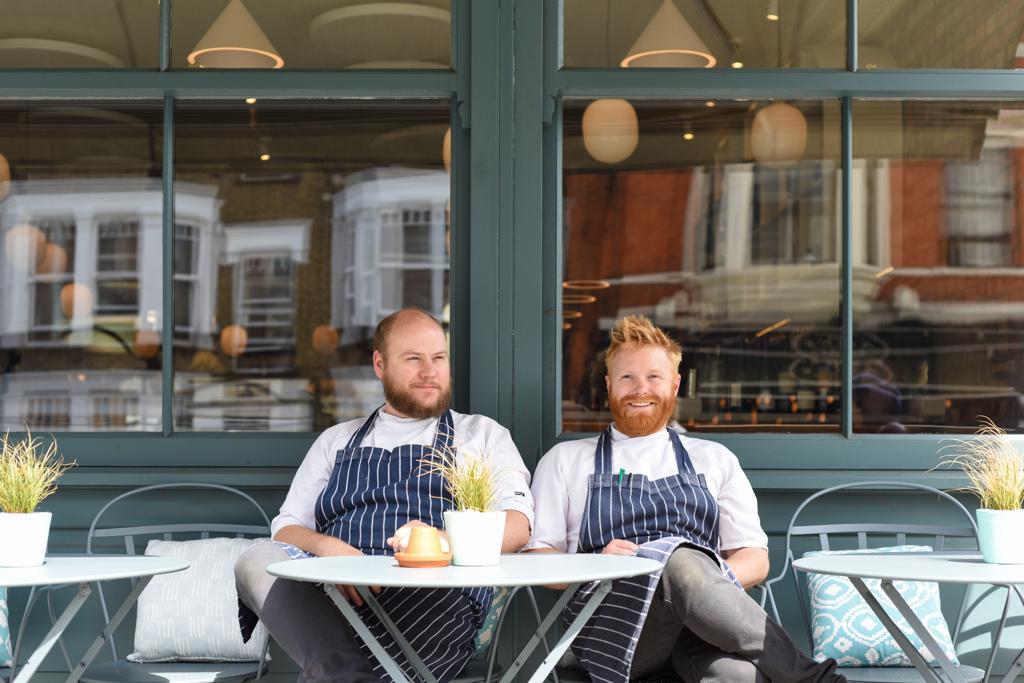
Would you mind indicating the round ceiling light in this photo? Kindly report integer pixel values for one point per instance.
(385, 35)
(42, 53)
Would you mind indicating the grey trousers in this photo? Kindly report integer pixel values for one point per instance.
(701, 628)
(302, 619)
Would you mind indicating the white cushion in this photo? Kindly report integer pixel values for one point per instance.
(192, 615)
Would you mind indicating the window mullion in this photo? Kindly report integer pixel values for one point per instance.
(165, 35)
(167, 325)
(846, 289)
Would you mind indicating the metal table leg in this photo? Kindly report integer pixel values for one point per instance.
(108, 630)
(1018, 663)
(921, 631)
(927, 673)
(53, 635)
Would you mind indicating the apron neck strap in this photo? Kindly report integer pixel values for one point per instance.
(356, 439)
(603, 453)
(444, 435)
(682, 457)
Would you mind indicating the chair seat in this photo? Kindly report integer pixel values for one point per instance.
(898, 674)
(124, 671)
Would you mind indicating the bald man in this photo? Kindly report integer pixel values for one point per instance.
(359, 485)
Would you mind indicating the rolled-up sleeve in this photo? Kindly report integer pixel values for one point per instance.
(310, 479)
(551, 504)
(514, 483)
(739, 522)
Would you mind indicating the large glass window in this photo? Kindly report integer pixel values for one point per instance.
(300, 225)
(938, 256)
(720, 221)
(327, 34)
(720, 34)
(81, 222)
(940, 34)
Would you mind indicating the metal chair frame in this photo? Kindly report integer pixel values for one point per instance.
(826, 533)
(133, 534)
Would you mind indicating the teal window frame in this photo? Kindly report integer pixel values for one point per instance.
(786, 461)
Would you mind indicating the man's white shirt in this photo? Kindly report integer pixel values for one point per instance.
(474, 434)
(561, 479)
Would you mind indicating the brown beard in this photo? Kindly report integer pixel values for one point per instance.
(407, 404)
(642, 424)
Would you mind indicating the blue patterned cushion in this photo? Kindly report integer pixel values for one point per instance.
(486, 633)
(844, 628)
(5, 630)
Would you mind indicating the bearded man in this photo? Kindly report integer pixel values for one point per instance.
(359, 487)
(642, 488)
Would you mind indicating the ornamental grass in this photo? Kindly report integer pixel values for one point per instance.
(471, 477)
(993, 466)
(28, 472)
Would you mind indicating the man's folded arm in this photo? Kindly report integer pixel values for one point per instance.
(318, 544)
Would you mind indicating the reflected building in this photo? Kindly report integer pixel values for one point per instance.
(81, 321)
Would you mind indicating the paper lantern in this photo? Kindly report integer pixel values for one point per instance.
(325, 339)
(233, 340)
(24, 246)
(611, 131)
(76, 299)
(5, 177)
(446, 150)
(778, 135)
(146, 344)
(55, 260)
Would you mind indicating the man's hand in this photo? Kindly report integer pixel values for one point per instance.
(400, 541)
(349, 592)
(620, 547)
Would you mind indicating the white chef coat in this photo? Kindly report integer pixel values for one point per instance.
(560, 486)
(474, 434)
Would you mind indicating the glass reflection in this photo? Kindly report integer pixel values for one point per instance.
(327, 34)
(938, 265)
(79, 34)
(697, 34)
(81, 224)
(940, 34)
(299, 226)
(721, 224)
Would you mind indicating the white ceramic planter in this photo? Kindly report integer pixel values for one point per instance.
(475, 537)
(23, 538)
(999, 536)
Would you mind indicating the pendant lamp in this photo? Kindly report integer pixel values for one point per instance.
(778, 135)
(446, 150)
(233, 340)
(76, 299)
(611, 131)
(24, 246)
(235, 41)
(669, 41)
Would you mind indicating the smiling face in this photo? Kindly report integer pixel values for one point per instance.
(642, 388)
(413, 366)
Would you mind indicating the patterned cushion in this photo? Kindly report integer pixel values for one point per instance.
(5, 631)
(844, 628)
(192, 615)
(486, 633)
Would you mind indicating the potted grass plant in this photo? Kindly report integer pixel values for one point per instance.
(473, 526)
(28, 475)
(995, 471)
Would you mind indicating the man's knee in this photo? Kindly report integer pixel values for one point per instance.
(730, 669)
(251, 578)
(688, 569)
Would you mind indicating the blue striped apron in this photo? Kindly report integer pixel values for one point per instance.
(659, 516)
(371, 493)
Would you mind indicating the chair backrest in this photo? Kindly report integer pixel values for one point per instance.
(196, 524)
(867, 534)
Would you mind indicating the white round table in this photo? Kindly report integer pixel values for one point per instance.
(533, 569)
(83, 570)
(949, 567)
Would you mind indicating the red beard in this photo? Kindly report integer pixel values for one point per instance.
(641, 423)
